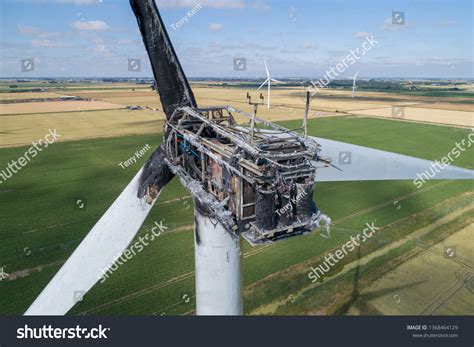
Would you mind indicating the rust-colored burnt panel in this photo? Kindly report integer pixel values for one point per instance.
(249, 194)
(249, 211)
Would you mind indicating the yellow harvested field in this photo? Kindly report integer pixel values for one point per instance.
(19, 130)
(459, 118)
(430, 283)
(288, 103)
(107, 93)
(448, 106)
(343, 105)
(330, 100)
(22, 96)
(279, 98)
(55, 106)
(150, 101)
(106, 85)
(140, 97)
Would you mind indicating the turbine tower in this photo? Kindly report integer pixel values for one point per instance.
(354, 83)
(260, 190)
(269, 80)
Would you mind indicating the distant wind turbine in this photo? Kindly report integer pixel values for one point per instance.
(268, 80)
(354, 84)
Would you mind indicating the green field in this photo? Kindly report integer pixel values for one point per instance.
(434, 93)
(41, 224)
(15, 87)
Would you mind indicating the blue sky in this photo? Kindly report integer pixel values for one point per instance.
(95, 38)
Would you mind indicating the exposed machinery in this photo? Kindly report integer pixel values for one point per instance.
(265, 180)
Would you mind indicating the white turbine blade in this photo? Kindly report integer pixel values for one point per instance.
(360, 163)
(274, 80)
(262, 85)
(109, 237)
(266, 68)
(354, 84)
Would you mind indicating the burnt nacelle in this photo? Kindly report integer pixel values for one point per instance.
(264, 178)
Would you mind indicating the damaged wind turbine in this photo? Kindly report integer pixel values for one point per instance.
(256, 185)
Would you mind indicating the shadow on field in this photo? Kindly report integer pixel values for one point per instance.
(11, 131)
(360, 301)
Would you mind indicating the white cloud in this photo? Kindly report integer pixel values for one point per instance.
(28, 30)
(97, 39)
(90, 25)
(204, 3)
(128, 42)
(66, 2)
(219, 4)
(362, 34)
(216, 27)
(309, 45)
(259, 5)
(100, 49)
(446, 23)
(31, 30)
(387, 25)
(47, 43)
(79, 2)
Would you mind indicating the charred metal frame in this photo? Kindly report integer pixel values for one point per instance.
(261, 179)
